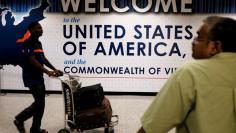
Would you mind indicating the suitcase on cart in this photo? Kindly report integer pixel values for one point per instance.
(95, 117)
(88, 97)
(85, 118)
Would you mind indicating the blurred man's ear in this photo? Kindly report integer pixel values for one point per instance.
(215, 47)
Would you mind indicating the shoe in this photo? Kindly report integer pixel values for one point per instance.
(20, 126)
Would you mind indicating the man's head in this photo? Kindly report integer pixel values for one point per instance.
(214, 36)
(223, 33)
(35, 29)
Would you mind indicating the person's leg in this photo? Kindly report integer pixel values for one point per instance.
(39, 105)
(23, 116)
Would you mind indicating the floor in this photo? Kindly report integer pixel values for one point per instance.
(129, 109)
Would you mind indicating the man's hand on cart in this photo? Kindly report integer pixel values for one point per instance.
(51, 73)
(58, 73)
(55, 73)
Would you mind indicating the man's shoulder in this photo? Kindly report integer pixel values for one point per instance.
(29, 43)
(196, 63)
(196, 66)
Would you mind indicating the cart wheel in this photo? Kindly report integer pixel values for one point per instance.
(109, 130)
(63, 131)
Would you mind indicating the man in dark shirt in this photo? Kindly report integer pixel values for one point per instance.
(33, 69)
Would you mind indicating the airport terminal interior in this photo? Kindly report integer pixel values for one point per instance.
(131, 47)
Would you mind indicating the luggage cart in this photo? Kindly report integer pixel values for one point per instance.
(69, 85)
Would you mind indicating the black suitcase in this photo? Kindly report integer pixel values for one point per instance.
(88, 97)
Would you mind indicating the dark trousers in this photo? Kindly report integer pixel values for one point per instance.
(36, 109)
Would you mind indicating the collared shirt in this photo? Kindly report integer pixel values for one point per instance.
(31, 75)
(200, 97)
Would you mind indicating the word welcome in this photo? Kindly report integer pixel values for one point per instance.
(175, 6)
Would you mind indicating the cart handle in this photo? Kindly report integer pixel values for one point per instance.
(69, 76)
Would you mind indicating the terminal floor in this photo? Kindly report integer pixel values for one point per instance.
(129, 109)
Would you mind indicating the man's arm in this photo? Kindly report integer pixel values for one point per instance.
(171, 105)
(48, 64)
(37, 65)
